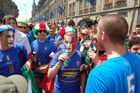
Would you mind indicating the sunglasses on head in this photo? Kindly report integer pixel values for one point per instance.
(40, 31)
(21, 27)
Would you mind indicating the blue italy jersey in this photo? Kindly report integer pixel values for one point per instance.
(43, 50)
(68, 77)
(29, 36)
(52, 38)
(12, 60)
(116, 75)
(59, 38)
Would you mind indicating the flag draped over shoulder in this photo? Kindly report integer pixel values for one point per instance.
(47, 84)
(60, 10)
(92, 2)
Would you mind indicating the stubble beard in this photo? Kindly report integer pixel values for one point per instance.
(101, 44)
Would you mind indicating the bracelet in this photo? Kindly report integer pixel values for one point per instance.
(57, 66)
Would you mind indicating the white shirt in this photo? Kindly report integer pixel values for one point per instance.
(21, 38)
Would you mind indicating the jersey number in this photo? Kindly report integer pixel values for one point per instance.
(11, 68)
(130, 86)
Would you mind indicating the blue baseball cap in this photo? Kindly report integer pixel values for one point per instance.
(6, 27)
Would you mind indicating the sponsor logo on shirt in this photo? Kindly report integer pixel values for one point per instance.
(78, 63)
(70, 74)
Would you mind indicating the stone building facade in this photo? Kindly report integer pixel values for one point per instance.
(78, 10)
(46, 7)
(8, 7)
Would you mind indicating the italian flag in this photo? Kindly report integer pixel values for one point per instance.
(46, 48)
(8, 57)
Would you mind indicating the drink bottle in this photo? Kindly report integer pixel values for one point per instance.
(34, 55)
(66, 62)
(87, 58)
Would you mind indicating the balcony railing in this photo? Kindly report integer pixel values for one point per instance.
(92, 9)
(72, 13)
(108, 5)
(80, 11)
(120, 3)
(86, 10)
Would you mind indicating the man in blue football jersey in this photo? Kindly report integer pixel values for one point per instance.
(43, 50)
(120, 72)
(20, 37)
(65, 67)
(12, 56)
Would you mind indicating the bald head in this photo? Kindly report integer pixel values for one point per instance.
(115, 26)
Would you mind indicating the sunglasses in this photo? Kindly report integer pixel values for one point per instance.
(137, 33)
(21, 27)
(52, 31)
(84, 34)
(40, 31)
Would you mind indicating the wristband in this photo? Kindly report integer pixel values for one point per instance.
(57, 66)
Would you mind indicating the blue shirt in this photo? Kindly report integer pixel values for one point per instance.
(43, 50)
(12, 60)
(52, 38)
(59, 38)
(68, 77)
(116, 75)
(29, 36)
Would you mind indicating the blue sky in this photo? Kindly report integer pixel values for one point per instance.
(25, 8)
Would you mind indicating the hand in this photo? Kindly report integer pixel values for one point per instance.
(43, 69)
(87, 45)
(28, 66)
(62, 58)
(93, 56)
(83, 67)
(52, 55)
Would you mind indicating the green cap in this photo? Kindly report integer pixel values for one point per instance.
(22, 21)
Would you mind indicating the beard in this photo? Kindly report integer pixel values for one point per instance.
(101, 45)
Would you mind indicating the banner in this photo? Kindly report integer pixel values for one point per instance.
(60, 10)
(51, 15)
(92, 2)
